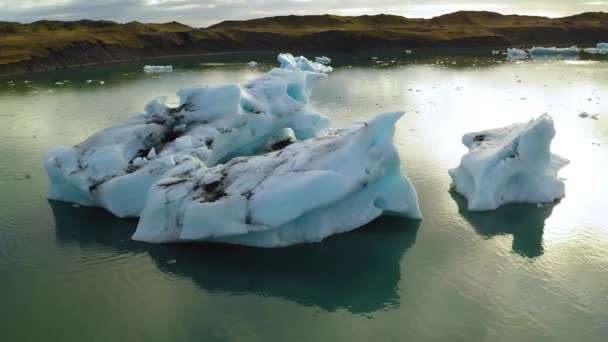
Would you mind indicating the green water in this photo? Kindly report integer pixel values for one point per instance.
(520, 273)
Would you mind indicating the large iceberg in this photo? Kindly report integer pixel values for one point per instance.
(513, 164)
(553, 51)
(303, 193)
(515, 53)
(114, 168)
(247, 164)
(600, 48)
(151, 69)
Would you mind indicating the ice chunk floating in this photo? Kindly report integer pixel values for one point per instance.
(157, 68)
(304, 193)
(290, 62)
(513, 164)
(600, 48)
(323, 60)
(221, 156)
(516, 53)
(553, 51)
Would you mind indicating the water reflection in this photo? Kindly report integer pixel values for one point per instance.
(525, 222)
(357, 271)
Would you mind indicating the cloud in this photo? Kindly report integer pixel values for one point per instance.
(206, 12)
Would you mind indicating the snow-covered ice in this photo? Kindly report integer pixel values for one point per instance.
(514, 53)
(513, 164)
(600, 48)
(253, 64)
(323, 60)
(303, 193)
(158, 68)
(289, 62)
(553, 51)
(115, 167)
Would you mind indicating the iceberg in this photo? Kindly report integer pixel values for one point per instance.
(323, 60)
(600, 48)
(511, 164)
(243, 164)
(115, 168)
(289, 62)
(157, 68)
(305, 192)
(252, 64)
(553, 51)
(515, 53)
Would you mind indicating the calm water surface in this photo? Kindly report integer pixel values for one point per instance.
(520, 273)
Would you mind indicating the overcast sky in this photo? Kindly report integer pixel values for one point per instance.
(202, 13)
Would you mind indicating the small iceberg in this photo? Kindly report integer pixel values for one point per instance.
(600, 48)
(252, 64)
(323, 60)
(303, 193)
(514, 53)
(513, 164)
(289, 62)
(553, 51)
(151, 69)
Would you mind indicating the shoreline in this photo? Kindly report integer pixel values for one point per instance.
(428, 49)
(120, 61)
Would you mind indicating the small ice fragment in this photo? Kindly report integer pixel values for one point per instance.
(516, 53)
(158, 68)
(252, 64)
(323, 60)
(600, 48)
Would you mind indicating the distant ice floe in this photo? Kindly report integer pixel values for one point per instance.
(323, 60)
(158, 68)
(252, 64)
(513, 164)
(514, 53)
(553, 51)
(289, 62)
(213, 154)
(600, 48)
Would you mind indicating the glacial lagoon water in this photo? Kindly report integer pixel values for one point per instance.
(521, 273)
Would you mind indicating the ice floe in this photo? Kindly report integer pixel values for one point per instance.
(514, 53)
(252, 64)
(157, 68)
(554, 51)
(289, 62)
(513, 164)
(323, 60)
(600, 48)
(303, 193)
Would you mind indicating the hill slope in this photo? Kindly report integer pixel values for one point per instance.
(47, 45)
